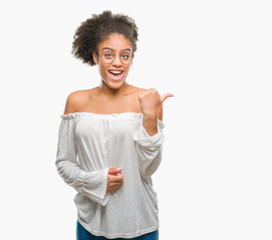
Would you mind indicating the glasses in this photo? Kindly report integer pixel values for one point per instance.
(108, 56)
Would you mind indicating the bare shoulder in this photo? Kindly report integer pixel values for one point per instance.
(133, 91)
(137, 89)
(75, 100)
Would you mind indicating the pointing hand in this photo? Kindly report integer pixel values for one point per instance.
(151, 101)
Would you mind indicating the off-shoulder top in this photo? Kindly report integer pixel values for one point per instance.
(88, 145)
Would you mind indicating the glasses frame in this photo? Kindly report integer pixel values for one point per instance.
(114, 56)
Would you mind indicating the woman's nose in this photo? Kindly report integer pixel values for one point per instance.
(117, 61)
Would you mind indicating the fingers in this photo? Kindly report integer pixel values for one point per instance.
(120, 178)
(148, 92)
(114, 182)
(165, 96)
(154, 92)
(114, 171)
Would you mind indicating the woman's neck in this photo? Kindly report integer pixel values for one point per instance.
(105, 90)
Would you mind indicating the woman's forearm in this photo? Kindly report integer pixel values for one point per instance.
(150, 123)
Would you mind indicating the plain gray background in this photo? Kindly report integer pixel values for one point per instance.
(214, 56)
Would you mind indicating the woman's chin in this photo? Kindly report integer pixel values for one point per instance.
(115, 84)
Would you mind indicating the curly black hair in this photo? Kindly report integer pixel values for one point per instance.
(96, 29)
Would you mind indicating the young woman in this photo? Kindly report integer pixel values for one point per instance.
(110, 137)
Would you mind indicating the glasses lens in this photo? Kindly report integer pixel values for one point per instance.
(125, 57)
(107, 56)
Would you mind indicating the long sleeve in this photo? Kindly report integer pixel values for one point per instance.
(149, 149)
(92, 184)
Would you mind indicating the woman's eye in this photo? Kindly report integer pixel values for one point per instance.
(125, 56)
(108, 55)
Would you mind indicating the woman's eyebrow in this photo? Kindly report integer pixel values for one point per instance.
(107, 48)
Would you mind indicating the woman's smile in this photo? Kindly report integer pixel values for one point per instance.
(116, 75)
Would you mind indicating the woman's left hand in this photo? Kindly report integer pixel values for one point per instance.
(151, 101)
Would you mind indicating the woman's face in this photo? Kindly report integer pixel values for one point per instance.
(114, 60)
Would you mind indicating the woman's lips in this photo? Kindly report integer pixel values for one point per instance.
(116, 75)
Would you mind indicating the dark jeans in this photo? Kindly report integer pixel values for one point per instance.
(83, 234)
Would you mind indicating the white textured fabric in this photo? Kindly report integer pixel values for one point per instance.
(88, 145)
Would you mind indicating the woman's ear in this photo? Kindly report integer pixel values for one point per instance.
(95, 58)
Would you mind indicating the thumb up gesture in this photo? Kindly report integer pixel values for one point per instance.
(151, 101)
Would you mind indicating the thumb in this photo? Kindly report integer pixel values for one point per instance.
(165, 96)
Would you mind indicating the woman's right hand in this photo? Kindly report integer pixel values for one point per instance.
(115, 180)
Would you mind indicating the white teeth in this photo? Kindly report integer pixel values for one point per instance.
(116, 72)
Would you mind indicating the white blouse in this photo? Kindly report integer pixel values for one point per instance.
(88, 145)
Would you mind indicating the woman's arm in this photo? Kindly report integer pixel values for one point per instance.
(149, 137)
(93, 184)
(149, 149)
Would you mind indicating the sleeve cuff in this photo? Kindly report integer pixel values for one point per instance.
(95, 186)
(147, 141)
